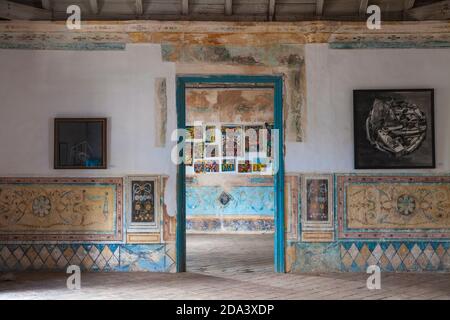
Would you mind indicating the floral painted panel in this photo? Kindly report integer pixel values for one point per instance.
(215, 200)
(317, 200)
(143, 202)
(394, 206)
(60, 209)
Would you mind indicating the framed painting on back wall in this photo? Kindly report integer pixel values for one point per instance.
(394, 129)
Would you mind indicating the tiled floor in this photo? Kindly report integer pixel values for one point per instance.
(237, 267)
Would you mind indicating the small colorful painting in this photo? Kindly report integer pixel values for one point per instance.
(228, 165)
(189, 133)
(188, 154)
(198, 133)
(199, 166)
(252, 138)
(232, 141)
(199, 148)
(317, 202)
(210, 134)
(211, 151)
(244, 166)
(259, 167)
(211, 166)
(269, 128)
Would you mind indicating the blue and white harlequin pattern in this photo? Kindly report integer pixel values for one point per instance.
(90, 257)
(395, 256)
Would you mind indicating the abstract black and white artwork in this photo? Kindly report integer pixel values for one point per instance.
(394, 129)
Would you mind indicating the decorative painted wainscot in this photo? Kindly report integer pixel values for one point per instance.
(51, 223)
(230, 204)
(400, 223)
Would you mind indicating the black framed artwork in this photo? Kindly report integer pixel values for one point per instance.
(394, 129)
(80, 143)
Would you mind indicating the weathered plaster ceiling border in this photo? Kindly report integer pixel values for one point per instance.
(430, 33)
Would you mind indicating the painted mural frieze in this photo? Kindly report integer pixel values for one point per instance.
(398, 206)
(394, 206)
(77, 209)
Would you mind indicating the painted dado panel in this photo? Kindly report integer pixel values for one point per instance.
(235, 203)
(393, 207)
(88, 256)
(240, 200)
(398, 222)
(61, 209)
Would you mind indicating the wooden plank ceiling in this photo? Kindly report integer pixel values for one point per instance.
(225, 10)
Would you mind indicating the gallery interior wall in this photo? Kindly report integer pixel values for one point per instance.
(332, 75)
(38, 85)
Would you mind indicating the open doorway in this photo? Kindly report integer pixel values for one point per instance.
(230, 186)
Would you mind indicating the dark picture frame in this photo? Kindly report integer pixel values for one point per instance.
(394, 129)
(80, 143)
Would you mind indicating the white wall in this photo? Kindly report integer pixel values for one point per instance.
(37, 86)
(332, 75)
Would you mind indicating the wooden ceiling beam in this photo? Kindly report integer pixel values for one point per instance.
(184, 7)
(228, 7)
(271, 11)
(139, 7)
(16, 11)
(409, 4)
(93, 5)
(435, 11)
(46, 4)
(319, 7)
(363, 4)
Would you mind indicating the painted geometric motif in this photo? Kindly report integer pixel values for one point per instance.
(394, 207)
(89, 257)
(60, 209)
(394, 256)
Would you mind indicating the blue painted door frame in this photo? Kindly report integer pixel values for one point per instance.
(277, 82)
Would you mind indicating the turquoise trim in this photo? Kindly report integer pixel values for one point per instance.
(181, 181)
(277, 82)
